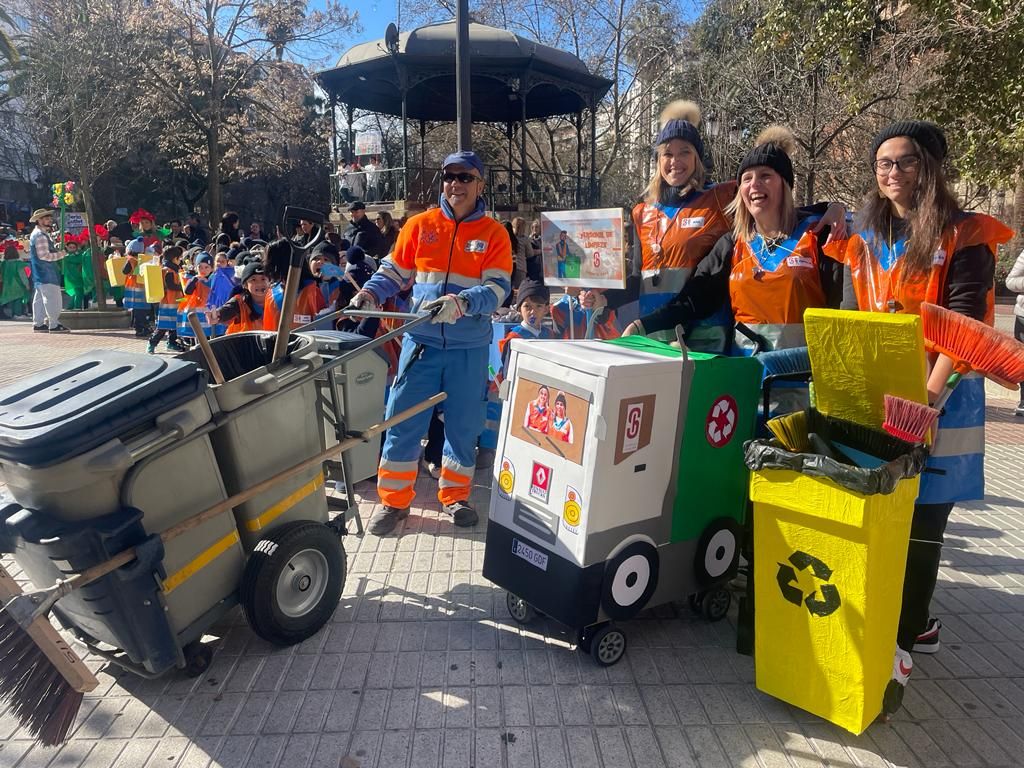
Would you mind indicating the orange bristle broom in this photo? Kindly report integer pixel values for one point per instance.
(973, 346)
(908, 420)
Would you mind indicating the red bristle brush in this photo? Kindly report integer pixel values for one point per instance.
(908, 420)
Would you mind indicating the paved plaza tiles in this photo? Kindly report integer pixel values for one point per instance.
(422, 666)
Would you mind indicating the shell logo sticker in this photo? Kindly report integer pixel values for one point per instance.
(506, 479)
(572, 510)
(721, 422)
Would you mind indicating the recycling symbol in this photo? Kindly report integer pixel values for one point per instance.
(829, 601)
(721, 421)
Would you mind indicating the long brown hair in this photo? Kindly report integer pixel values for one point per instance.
(934, 208)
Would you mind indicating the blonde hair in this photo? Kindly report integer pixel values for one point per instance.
(519, 226)
(743, 225)
(680, 109)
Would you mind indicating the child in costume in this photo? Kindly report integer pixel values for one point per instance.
(144, 225)
(167, 312)
(244, 310)
(14, 287)
(78, 276)
(134, 290)
(310, 301)
(197, 293)
(533, 304)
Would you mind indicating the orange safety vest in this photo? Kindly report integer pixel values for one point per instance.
(307, 304)
(246, 319)
(673, 246)
(171, 295)
(769, 291)
(890, 290)
(536, 420)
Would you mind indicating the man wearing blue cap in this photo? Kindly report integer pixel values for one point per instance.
(461, 262)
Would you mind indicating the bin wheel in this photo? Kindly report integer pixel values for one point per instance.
(608, 645)
(715, 604)
(520, 610)
(292, 582)
(197, 658)
(583, 637)
(694, 601)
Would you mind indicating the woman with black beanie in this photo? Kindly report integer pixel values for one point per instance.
(914, 244)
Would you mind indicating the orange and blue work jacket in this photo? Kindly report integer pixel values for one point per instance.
(471, 258)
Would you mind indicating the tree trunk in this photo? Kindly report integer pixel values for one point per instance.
(99, 261)
(213, 190)
(1017, 220)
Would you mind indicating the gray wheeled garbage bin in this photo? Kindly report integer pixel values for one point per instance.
(99, 454)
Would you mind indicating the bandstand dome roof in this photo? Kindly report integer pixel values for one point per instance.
(368, 77)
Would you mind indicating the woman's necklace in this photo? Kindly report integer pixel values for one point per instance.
(893, 304)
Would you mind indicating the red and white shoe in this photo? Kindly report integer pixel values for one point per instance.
(902, 666)
(928, 641)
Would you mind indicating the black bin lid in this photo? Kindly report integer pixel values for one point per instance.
(73, 407)
(338, 341)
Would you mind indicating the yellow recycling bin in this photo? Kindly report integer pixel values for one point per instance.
(828, 582)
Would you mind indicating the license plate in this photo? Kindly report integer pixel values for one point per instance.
(529, 554)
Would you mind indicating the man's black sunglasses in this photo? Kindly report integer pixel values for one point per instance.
(463, 178)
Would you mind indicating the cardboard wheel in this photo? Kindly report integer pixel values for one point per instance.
(718, 551)
(630, 579)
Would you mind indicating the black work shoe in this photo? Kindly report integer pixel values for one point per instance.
(463, 514)
(385, 520)
(60, 329)
(41, 328)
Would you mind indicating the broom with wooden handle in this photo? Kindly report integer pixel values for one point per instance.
(40, 674)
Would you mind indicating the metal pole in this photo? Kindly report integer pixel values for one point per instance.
(405, 142)
(578, 181)
(593, 154)
(522, 129)
(351, 151)
(334, 131)
(463, 100)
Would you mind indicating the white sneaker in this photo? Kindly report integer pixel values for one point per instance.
(902, 666)
(432, 469)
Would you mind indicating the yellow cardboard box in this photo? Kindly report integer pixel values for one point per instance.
(115, 267)
(153, 280)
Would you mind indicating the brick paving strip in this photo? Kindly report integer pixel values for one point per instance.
(422, 666)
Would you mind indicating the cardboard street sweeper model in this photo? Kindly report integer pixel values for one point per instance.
(618, 483)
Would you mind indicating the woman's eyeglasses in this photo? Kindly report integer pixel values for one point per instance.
(462, 178)
(908, 163)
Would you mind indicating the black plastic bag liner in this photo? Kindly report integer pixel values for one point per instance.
(769, 454)
(240, 353)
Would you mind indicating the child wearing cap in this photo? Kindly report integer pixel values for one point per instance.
(167, 309)
(197, 292)
(134, 291)
(533, 301)
(244, 310)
